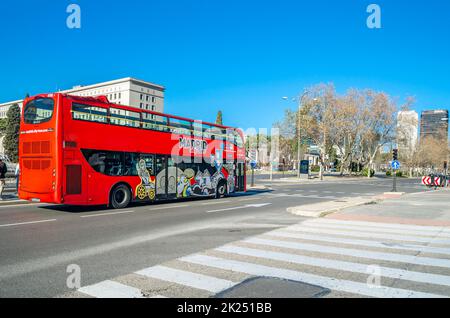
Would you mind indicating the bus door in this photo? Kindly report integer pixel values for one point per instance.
(166, 178)
(240, 176)
(161, 177)
(171, 178)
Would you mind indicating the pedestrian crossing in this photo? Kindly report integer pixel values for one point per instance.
(353, 258)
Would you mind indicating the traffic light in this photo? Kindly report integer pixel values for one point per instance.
(395, 154)
(445, 165)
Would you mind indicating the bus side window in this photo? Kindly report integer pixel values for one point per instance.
(130, 164)
(89, 113)
(154, 122)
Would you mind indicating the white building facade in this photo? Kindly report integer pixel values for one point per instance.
(407, 132)
(4, 107)
(126, 91)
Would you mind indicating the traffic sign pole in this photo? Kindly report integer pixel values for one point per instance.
(394, 189)
(253, 177)
(395, 167)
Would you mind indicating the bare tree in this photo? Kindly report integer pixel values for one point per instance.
(318, 111)
(380, 124)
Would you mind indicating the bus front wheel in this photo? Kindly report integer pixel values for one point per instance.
(120, 196)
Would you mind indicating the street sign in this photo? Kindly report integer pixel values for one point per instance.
(433, 181)
(253, 164)
(304, 167)
(395, 165)
(426, 181)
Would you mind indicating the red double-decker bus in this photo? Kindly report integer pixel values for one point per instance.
(86, 151)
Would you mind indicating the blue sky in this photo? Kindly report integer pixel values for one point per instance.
(240, 56)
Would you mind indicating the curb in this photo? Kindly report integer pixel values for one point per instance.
(314, 210)
(7, 202)
(311, 210)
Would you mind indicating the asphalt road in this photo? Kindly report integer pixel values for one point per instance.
(38, 242)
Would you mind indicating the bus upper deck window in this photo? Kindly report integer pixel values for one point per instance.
(38, 111)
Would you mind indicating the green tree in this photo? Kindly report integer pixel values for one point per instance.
(2, 126)
(11, 141)
(219, 120)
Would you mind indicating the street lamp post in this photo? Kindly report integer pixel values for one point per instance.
(299, 141)
(446, 162)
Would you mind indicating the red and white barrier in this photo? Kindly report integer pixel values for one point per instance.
(429, 182)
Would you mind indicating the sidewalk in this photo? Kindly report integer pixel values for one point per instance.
(422, 205)
(423, 208)
(10, 194)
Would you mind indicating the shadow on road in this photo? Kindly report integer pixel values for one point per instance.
(87, 209)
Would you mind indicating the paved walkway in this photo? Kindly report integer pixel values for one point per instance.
(423, 208)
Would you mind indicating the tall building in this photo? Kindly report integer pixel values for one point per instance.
(434, 123)
(407, 132)
(126, 91)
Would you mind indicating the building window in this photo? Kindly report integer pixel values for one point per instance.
(142, 96)
(153, 99)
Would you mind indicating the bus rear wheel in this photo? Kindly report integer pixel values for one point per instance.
(221, 189)
(120, 196)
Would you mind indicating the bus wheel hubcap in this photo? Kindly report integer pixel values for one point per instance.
(120, 196)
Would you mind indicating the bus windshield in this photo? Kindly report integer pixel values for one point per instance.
(38, 111)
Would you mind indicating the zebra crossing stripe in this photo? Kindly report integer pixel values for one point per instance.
(111, 289)
(389, 225)
(334, 239)
(199, 281)
(365, 234)
(338, 265)
(325, 282)
(427, 261)
(375, 228)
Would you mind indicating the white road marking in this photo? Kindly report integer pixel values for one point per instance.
(111, 289)
(217, 202)
(334, 239)
(108, 213)
(313, 196)
(199, 281)
(364, 234)
(325, 282)
(249, 199)
(402, 227)
(169, 207)
(373, 229)
(260, 205)
(338, 265)
(391, 257)
(27, 223)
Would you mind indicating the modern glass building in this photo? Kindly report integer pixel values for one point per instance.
(434, 123)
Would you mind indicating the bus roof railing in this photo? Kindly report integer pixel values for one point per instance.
(104, 100)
